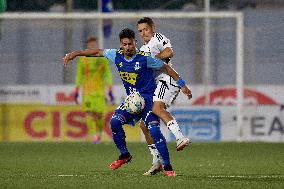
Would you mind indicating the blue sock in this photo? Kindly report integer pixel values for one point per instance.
(118, 134)
(160, 142)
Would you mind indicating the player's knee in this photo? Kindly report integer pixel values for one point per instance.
(116, 122)
(155, 131)
(158, 107)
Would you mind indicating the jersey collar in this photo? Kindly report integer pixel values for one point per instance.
(130, 59)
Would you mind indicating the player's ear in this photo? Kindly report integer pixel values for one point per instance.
(154, 28)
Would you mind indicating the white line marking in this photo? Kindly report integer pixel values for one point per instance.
(246, 176)
(70, 175)
(208, 176)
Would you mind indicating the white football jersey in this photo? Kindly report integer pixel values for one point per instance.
(157, 44)
(167, 89)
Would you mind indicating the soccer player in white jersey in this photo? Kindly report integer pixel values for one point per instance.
(167, 90)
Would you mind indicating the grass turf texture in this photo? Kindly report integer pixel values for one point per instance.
(84, 165)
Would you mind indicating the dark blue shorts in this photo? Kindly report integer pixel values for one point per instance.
(146, 115)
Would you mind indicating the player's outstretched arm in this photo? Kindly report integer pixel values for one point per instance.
(184, 88)
(86, 52)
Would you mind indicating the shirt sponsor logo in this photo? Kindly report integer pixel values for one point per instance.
(128, 77)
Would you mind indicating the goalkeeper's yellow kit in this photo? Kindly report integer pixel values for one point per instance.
(94, 74)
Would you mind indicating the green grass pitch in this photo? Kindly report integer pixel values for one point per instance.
(84, 165)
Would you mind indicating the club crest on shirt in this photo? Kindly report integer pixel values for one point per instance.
(137, 66)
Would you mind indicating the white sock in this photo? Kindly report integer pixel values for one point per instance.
(174, 128)
(155, 153)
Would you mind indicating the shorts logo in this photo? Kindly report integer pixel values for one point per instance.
(129, 77)
(163, 88)
(137, 66)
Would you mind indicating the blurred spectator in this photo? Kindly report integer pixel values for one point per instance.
(107, 7)
(3, 5)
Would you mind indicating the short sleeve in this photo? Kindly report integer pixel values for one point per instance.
(154, 63)
(163, 42)
(110, 54)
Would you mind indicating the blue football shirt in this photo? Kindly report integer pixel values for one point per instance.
(136, 73)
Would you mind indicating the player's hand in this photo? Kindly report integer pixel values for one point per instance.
(186, 91)
(68, 57)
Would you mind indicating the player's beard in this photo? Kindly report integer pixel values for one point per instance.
(129, 53)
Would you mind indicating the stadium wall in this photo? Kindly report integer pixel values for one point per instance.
(48, 113)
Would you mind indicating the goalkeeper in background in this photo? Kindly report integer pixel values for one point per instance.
(94, 75)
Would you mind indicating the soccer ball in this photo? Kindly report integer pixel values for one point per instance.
(134, 103)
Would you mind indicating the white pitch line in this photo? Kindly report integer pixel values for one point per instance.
(212, 176)
(70, 175)
(246, 176)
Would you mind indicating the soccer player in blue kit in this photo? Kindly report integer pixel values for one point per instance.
(136, 71)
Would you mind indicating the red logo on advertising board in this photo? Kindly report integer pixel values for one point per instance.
(227, 97)
(63, 97)
(74, 120)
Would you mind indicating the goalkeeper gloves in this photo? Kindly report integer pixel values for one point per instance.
(111, 98)
(76, 95)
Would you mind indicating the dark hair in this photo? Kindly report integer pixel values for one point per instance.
(127, 33)
(146, 20)
(91, 39)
